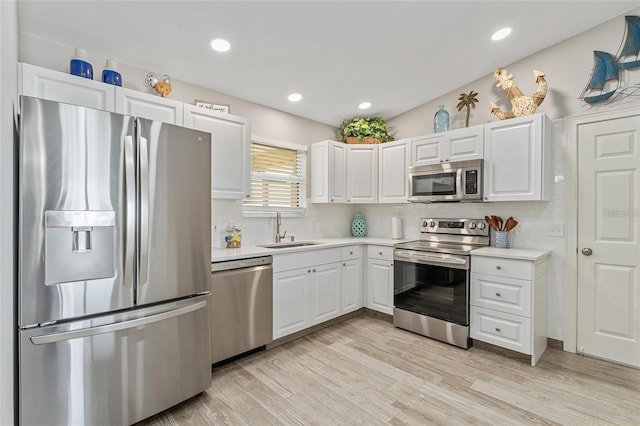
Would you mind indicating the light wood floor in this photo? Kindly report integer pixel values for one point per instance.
(365, 371)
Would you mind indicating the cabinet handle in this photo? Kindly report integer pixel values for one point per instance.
(498, 267)
(308, 271)
(498, 293)
(344, 264)
(350, 252)
(332, 200)
(498, 329)
(486, 198)
(314, 269)
(380, 253)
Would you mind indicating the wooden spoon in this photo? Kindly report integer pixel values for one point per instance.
(491, 222)
(511, 223)
(499, 223)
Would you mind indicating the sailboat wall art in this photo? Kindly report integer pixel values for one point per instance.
(611, 77)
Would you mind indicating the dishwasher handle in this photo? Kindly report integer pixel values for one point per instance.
(241, 263)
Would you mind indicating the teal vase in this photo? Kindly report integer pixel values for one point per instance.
(358, 226)
(441, 120)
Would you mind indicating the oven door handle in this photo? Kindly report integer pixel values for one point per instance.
(431, 259)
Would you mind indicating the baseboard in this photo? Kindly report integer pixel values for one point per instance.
(313, 329)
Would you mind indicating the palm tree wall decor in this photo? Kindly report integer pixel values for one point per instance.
(469, 101)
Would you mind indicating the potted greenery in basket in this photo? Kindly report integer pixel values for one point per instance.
(364, 130)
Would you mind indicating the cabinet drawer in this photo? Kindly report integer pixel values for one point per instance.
(350, 252)
(380, 252)
(520, 269)
(501, 293)
(501, 329)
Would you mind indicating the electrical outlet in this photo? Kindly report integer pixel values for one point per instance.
(557, 230)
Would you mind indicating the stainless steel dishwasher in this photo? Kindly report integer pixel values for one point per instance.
(242, 306)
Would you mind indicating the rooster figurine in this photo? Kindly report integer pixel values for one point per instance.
(521, 104)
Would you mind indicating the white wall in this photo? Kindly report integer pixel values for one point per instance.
(8, 90)
(567, 66)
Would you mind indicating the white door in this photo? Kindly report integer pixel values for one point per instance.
(608, 239)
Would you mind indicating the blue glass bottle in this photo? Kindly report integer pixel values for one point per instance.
(80, 66)
(110, 74)
(441, 120)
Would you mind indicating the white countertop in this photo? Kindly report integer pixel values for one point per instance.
(219, 254)
(512, 253)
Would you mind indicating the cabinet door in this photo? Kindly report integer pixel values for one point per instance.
(362, 174)
(230, 150)
(325, 292)
(290, 301)
(337, 172)
(145, 105)
(319, 172)
(380, 285)
(427, 150)
(513, 159)
(57, 86)
(465, 144)
(351, 285)
(393, 184)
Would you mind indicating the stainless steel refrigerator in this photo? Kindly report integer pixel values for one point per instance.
(114, 265)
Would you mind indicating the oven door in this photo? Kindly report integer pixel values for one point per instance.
(432, 284)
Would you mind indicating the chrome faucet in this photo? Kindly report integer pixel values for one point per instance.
(278, 223)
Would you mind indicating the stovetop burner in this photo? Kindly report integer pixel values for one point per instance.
(439, 247)
(453, 236)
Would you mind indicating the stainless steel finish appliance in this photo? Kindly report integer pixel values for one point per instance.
(455, 181)
(114, 259)
(432, 277)
(242, 306)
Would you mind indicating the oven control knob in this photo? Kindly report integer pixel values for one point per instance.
(472, 225)
(481, 225)
(425, 223)
(432, 224)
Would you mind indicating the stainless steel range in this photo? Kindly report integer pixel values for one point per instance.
(432, 276)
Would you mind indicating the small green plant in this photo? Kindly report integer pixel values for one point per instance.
(361, 127)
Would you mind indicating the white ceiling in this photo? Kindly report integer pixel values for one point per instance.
(395, 54)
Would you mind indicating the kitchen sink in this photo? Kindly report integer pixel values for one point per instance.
(291, 244)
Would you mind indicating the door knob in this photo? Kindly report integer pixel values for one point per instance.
(587, 251)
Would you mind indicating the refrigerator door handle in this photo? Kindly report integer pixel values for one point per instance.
(110, 328)
(144, 208)
(130, 201)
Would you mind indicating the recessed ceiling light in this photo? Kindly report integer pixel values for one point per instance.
(220, 45)
(500, 34)
(365, 105)
(295, 97)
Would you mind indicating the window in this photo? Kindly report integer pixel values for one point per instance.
(277, 179)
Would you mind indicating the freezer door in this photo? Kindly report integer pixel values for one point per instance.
(114, 370)
(174, 230)
(76, 196)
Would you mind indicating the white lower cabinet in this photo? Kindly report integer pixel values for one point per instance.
(351, 279)
(290, 307)
(508, 299)
(309, 288)
(380, 279)
(325, 292)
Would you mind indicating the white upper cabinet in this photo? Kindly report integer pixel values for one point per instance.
(455, 145)
(328, 172)
(362, 174)
(517, 159)
(57, 86)
(394, 160)
(230, 150)
(145, 105)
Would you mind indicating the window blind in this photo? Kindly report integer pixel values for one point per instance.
(277, 180)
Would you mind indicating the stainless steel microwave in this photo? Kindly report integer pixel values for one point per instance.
(456, 181)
